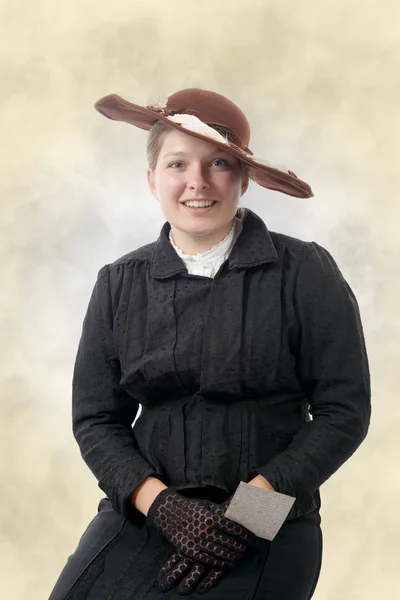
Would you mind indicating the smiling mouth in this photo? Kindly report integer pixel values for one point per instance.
(199, 201)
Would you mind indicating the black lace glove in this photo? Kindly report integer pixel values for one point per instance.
(198, 529)
(191, 574)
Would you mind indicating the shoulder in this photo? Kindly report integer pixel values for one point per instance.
(283, 242)
(305, 250)
(312, 264)
(120, 274)
(142, 254)
(113, 274)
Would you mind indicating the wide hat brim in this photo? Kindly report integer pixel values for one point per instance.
(116, 108)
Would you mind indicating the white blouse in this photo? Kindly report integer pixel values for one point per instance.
(208, 263)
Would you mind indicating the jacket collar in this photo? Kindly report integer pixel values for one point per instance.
(253, 247)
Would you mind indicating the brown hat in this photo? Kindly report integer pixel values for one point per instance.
(195, 111)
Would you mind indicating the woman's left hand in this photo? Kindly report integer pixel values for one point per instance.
(195, 575)
(190, 573)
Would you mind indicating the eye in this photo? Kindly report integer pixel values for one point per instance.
(223, 160)
(175, 163)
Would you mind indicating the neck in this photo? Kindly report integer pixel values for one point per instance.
(196, 244)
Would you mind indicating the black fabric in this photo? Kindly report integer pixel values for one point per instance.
(101, 534)
(127, 566)
(227, 370)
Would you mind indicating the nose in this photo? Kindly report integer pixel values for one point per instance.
(197, 178)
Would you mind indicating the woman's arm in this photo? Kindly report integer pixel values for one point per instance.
(260, 481)
(103, 413)
(332, 367)
(144, 495)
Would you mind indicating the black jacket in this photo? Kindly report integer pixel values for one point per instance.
(227, 370)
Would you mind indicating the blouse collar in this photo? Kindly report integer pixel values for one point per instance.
(215, 252)
(254, 246)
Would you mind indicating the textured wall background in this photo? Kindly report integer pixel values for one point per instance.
(320, 83)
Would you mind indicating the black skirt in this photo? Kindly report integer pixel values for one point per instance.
(117, 559)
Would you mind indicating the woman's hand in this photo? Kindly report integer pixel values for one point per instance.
(191, 574)
(198, 529)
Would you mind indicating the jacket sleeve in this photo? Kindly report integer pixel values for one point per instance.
(102, 413)
(333, 370)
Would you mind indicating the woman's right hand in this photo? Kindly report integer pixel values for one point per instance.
(198, 531)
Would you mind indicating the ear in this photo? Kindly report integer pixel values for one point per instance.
(245, 182)
(150, 182)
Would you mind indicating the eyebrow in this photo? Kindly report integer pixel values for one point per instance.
(179, 153)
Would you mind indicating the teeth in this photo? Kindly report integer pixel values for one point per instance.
(196, 204)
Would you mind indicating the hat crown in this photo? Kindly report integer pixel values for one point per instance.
(212, 108)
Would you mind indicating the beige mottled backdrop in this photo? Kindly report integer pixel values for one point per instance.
(320, 82)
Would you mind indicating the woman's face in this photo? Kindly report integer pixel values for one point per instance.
(192, 169)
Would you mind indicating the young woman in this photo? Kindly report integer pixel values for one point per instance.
(230, 337)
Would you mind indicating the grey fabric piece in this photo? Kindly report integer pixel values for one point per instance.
(261, 511)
